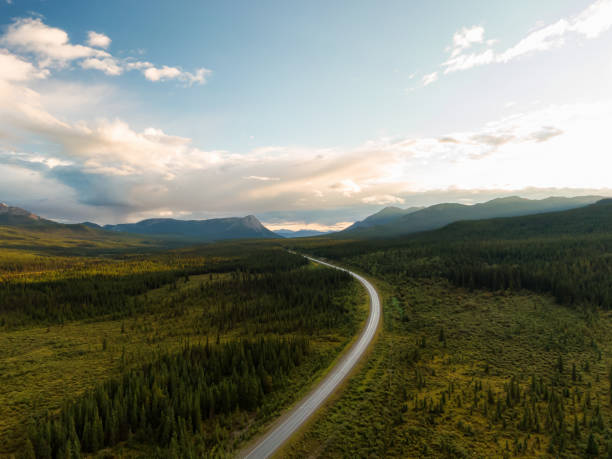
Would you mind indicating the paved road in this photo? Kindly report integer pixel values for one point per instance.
(292, 421)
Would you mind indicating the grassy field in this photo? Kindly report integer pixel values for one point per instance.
(474, 374)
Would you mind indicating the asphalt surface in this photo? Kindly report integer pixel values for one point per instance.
(296, 417)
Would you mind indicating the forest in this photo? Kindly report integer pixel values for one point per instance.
(214, 340)
(497, 342)
(567, 254)
(168, 401)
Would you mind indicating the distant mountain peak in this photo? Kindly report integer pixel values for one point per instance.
(17, 212)
(214, 229)
(16, 216)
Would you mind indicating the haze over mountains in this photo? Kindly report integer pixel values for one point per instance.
(386, 215)
(592, 219)
(300, 233)
(390, 221)
(395, 222)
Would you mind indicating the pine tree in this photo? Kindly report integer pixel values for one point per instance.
(592, 450)
(88, 438)
(576, 428)
(97, 432)
(28, 450)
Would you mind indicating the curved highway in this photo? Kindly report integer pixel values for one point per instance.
(296, 417)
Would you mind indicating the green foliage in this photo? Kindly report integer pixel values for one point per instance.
(167, 401)
(51, 291)
(494, 387)
(75, 321)
(567, 254)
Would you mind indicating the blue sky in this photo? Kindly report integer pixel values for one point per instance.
(304, 113)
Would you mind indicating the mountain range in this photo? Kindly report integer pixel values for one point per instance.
(396, 222)
(202, 230)
(215, 229)
(592, 219)
(388, 222)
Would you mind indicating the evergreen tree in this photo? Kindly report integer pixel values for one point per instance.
(592, 450)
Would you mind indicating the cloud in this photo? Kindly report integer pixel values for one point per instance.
(430, 78)
(262, 179)
(347, 187)
(50, 44)
(304, 225)
(164, 73)
(548, 37)
(13, 68)
(545, 133)
(383, 200)
(173, 73)
(467, 61)
(98, 40)
(109, 167)
(589, 23)
(594, 20)
(465, 38)
(107, 65)
(51, 47)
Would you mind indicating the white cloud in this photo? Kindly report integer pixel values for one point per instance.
(347, 187)
(590, 23)
(430, 78)
(107, 65)
(548, 37)
(594, 20)
(110, 164)
(50, 44)
(163, 73)
(98, 40)
(467, 61)
(262, 179)
(173, 73)
(137, 65)
(465, 38)
(303, 225)
(198, 77)
(383, 200)
(13, 68)
(51, 47)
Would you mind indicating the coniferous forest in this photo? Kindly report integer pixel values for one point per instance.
(496, 342)
(168, 402)
(175, 353)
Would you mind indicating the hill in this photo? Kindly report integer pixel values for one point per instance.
(215, 229)
(440, 215)
(592, 219)
(16, 216)
(386, 215)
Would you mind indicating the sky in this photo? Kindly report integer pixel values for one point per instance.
(306, 114)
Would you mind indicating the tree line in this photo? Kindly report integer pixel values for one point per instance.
(85, 288)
